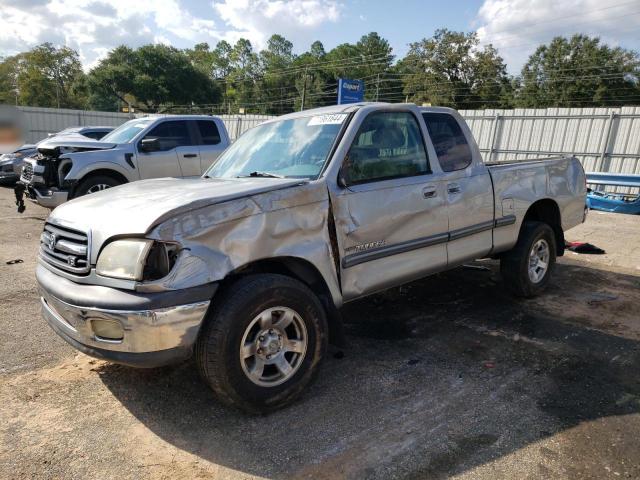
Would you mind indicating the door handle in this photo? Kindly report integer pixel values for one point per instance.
(190, 155)
(429, 192)
(454, 188)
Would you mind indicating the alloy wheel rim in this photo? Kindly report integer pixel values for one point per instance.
(273, 346)
(97, 188)
(539, 260)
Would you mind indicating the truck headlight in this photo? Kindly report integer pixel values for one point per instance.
(124, 259)
(137, 259)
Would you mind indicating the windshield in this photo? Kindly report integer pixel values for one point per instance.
(296, 148)
(127, 131)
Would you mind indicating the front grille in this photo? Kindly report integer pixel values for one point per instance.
(27, 172)
(65, 249)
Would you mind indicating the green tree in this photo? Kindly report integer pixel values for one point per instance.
(45, 76)
(157, 77)
(579, 72)
(276, 63)
(8, 80)
(450, 69)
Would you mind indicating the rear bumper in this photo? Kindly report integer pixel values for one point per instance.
(153, 333)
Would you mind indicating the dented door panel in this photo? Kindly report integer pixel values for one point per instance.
(389, 233)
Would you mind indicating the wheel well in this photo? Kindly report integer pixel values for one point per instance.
(103, 171)
(547, 211)
(308, 274)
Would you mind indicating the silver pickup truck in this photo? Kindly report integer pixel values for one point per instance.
(68, 167)
(249, 266)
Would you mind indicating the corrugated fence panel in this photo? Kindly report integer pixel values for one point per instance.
(39, 122)
(238, 124)
(604, 139)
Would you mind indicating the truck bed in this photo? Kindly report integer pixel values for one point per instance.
(526, 160)
(518, 184)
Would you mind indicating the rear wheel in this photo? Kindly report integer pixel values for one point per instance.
(527, 268)
(95, 183)
(262, 343)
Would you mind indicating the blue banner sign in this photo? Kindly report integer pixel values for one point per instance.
(350, 91)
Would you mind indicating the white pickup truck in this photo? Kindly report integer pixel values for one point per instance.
(67, 167)
(249, 266)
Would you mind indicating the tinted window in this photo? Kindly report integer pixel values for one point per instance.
(448, 140)
(388, 145)
(95, 135)
(170, 135)
(209, 132)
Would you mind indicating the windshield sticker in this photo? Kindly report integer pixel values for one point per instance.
(329, 119)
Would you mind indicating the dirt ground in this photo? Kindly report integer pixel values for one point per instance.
(448, 377)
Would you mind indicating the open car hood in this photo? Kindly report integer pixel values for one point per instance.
(72, 143)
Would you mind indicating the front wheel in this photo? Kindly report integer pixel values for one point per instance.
(527, 268)
(95, 183)
(262, 343)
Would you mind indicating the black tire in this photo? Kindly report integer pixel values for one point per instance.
(514, 265)
(217, 350)
(85, 186)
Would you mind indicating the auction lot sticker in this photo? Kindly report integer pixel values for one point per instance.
(329, 119)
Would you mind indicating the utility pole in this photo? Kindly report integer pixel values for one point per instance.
(304, 89)
(377, 87)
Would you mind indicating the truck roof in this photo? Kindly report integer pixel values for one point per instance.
(178, 117)
(352, 107)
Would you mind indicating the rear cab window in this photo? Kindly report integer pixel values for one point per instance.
(208, 132)
(388, 145)
(449, 142)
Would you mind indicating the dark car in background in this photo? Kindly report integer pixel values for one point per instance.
(11, 163)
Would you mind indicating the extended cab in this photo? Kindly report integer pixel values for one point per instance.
(250, 265)
(67, 167)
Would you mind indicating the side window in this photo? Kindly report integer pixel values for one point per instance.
(388, 145)
(209, 132)
(170, 135)
(448, 140)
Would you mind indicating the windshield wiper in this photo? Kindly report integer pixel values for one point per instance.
(261, 174)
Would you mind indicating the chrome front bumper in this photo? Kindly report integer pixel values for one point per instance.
(151, 337)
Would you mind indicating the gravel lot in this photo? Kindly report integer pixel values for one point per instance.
(445, 377)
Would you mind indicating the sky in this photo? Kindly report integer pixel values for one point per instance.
(514, 27)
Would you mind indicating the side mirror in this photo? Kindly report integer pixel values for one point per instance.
(343, 175)
(342, 180)
(149, 145)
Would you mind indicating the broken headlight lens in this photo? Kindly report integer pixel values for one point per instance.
(160, 261)
(124, 259)
(137, 259)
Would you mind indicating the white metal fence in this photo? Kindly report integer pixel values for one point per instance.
(238, 124)
(604, 139)
(39, 122)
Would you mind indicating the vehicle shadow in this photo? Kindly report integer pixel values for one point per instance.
(440, 376)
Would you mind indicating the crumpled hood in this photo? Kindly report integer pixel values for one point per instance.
(71, 143)
(133, 208)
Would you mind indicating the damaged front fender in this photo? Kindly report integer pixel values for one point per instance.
(220, 239)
